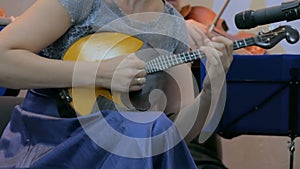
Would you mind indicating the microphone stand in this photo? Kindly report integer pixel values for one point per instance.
(293, 111)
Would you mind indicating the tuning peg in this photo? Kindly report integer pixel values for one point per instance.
(261, 32)
(274, 26)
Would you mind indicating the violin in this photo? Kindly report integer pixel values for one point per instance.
(205, 16)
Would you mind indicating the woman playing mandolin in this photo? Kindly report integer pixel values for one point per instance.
(47, 131)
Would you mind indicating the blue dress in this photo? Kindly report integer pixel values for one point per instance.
(38, 137)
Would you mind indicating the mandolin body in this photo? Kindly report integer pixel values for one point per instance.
(105, 45)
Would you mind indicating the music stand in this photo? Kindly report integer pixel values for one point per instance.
(263, 97)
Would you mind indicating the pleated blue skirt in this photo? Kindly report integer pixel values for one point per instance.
(36, 137)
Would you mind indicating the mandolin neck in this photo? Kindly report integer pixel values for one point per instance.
(238, 44)
(165, 62)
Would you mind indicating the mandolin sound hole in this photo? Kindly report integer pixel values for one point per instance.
(153, 96)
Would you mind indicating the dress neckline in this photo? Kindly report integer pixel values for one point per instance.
(129, 17)
(121, 13)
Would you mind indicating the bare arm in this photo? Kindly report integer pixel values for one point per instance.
(194, 112)
(38, 27)
(43, 23)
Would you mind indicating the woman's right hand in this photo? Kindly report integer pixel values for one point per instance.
(123, 73)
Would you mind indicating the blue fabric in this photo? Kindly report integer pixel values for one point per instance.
(251, 106)
(34, 140)
(2, 91)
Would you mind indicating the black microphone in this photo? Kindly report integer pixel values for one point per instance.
(286, 11)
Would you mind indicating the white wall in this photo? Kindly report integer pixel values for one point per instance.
(15, 7)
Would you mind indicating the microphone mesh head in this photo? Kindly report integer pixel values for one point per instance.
(245, 20)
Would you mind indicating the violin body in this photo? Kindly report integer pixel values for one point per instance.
(203, 15)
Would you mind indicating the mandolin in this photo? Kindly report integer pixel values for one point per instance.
(104, 45)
